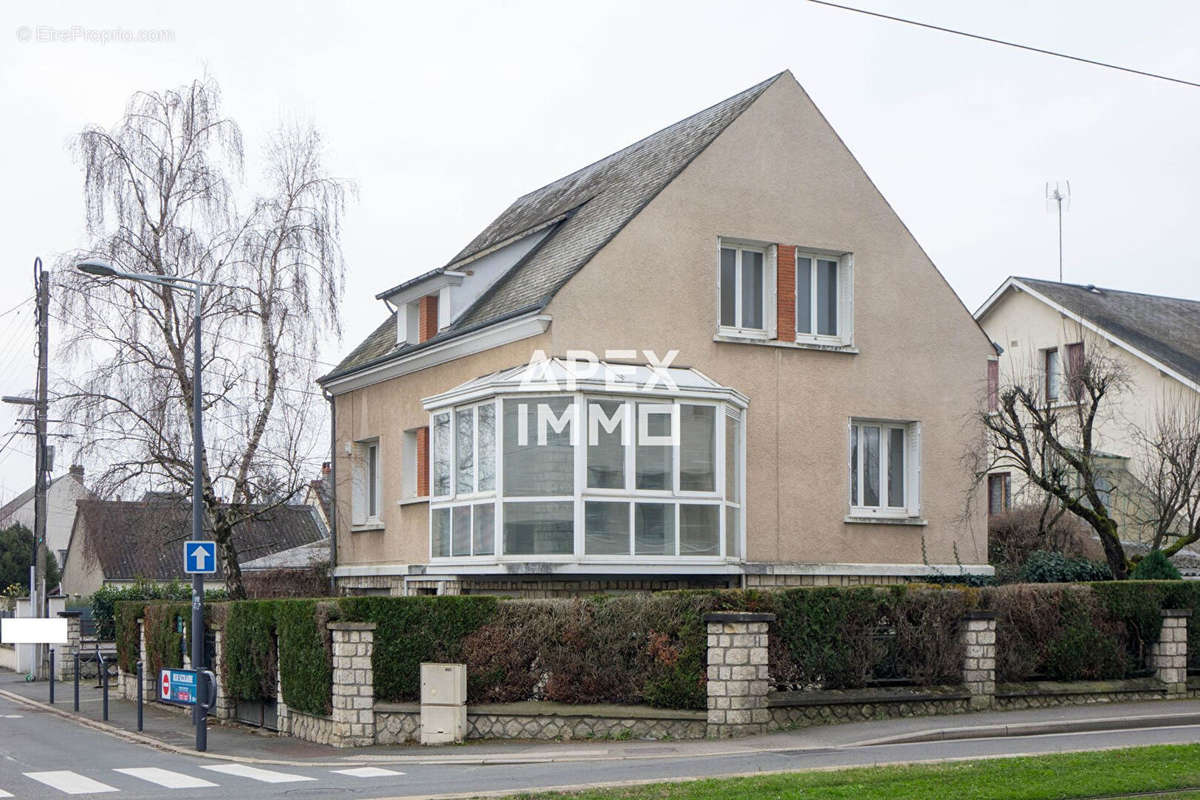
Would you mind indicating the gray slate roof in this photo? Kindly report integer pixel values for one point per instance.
(598, 200)
(1164, 328)
(145, 539)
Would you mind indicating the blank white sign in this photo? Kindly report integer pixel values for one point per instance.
(33, 631)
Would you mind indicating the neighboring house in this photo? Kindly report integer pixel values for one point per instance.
(814, 430)
(319, 495)
(115, 542)
(1042, 328)
(60, 510)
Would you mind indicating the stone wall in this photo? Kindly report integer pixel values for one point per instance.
(398, 723)
(791, 710)
(309, 728)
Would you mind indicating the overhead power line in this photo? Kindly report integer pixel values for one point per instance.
(992, 40)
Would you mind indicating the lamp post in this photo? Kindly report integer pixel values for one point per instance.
(103, 269)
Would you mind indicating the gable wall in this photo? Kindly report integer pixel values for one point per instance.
(780, 174)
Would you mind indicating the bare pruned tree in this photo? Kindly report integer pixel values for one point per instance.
(1047, 434)
(1167, 498)
(163, 194)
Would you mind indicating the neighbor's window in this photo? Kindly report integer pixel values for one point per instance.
(1052, 365)
(999, 493)
(365, 480)
(744, 280)
(883, 468)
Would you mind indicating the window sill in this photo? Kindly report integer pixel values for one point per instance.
(829, 348)
(408, 501)
(915, 521)
(366, 526)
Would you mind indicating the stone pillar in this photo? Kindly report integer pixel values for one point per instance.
(64, 655)
(1169, 655)
(738, 680)
(223, 705)
(353, 684)
(979, 661)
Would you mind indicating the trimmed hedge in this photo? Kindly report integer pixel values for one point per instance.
(306, 669)
(410, 630)
(248, 644)
(167, 627)
(126, 613)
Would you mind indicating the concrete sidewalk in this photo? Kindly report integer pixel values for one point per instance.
(169, 728)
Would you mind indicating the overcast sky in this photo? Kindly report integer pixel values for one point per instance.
(442, 113)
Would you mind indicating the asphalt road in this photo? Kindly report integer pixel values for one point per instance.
(46, 756)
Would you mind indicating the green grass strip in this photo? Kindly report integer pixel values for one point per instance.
(1050, 777)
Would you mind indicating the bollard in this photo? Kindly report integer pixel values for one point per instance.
(51, 676)
(77, 681)
(140, 694)
(104, 684)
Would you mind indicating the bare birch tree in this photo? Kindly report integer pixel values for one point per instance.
(1167, 498)
(1051, 440)
(164, 194)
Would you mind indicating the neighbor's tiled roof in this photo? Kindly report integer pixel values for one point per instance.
(597, 200)
(1165, 328)
(145, 539)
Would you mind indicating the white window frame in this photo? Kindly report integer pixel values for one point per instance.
(770, 256)
(845, 288)
(1057, 397)
(912, 469)
(672, 496)
(363, 451)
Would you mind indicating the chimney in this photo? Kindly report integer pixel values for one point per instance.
(77, 470)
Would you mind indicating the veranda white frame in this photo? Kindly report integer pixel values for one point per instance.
(582, 494)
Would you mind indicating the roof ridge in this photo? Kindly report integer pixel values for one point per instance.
(1090, 286)
(760, 85)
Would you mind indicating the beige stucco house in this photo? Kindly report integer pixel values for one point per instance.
(61, 495)
(1042, 328)
(715, 357)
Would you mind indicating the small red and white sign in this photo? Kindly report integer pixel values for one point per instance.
(166, 685)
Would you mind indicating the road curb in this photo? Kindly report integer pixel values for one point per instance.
(1036, 728)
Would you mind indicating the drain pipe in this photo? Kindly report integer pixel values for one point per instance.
(333, 502)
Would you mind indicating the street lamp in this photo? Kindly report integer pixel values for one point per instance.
(103, 269)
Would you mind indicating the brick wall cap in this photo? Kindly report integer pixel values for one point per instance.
(351, 626)
(70, 613)
(979, 615)
(738, 616)
(1177, 612)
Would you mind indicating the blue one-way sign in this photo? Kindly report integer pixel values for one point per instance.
(200, 557)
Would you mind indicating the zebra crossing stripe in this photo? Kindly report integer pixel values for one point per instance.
(254, 773)
(367, 772)
(70, 782)
(166, 778)
(4, 793)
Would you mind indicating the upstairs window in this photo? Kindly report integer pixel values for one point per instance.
(744, 278)
(1052, 369)
(822, 298)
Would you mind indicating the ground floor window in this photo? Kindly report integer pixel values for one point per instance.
(884, 468)
(999, 493)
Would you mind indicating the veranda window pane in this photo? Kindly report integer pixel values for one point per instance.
(804, 295)
(606, 528)
(460, 541)
(698, 448)
(484, 530)
(896, 467)
(752, 289)
(539, 528)
(699, 530)
(487, 448)
(733, 539)
(464, 447)
(733, 461)
(728, 286)
(654, 529)
(653, 460)
(853, 465)
(439, 545)
(441, 455)
(827, 297)
(870, 435)
(544, 465)
(606, 454)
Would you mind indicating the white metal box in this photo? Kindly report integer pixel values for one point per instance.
(443, 724)
(443, 684)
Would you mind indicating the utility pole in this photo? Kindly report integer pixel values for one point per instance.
(38, 599)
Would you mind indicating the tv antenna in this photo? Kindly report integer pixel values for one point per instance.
(1059, 196)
